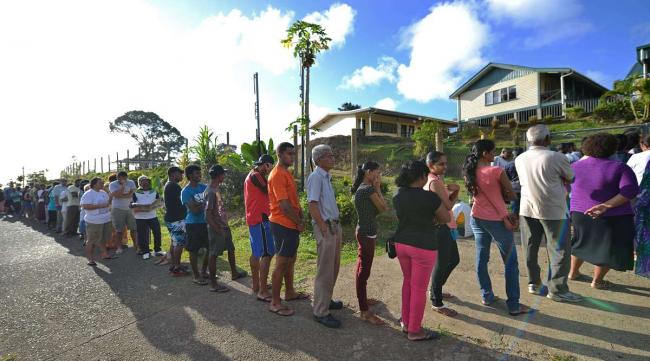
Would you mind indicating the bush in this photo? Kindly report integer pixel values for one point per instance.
(347, 212)
(513, 123)
(613, 111)
(233, 189)
(532, 120)
(495, 123)
(548, 119)
(574, 113)
(470, 132)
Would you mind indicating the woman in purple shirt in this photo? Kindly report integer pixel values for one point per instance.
(601, 213)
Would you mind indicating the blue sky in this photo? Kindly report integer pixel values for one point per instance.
(71, 66)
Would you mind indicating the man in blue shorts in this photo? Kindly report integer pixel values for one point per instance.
(256, 197)
(175, 219)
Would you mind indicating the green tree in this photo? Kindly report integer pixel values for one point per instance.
(157, 139)
(636, 92)
(307, 40)
(347, 106)
(37, 177)
(425, 138)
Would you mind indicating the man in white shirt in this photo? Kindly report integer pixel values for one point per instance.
(504, 159)
(543, 213)
(121, 192)
(639, 161)
(145, 203)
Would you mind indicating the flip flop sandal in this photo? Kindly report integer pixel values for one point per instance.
(429, 336)
(444, 310)
(603, 285)
(523, 310)
(92, 263)
(266, 299)
(581, 278)
(219, 289)
(299, 296)
(242, 274)
(200, 282)
(285, 312)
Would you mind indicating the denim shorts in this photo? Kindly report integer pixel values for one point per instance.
(177, 233)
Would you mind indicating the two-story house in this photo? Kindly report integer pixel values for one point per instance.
(505, 91)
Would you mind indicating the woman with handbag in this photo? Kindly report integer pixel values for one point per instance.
(368, 202)
(491, 189)
(416, 243)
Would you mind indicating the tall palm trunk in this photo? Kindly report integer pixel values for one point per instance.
(307, 122)
(302, 126)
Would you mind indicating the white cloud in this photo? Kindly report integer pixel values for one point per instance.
(551, 20)
(386, 103)
(367, 75)
(337, 21)
(70, 67)
(440, 58)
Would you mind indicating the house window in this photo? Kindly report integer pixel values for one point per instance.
(383, 127)
(407, 130)
(512, 93)
(501, 95)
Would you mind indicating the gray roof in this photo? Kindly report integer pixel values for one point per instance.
(491, 66)
(390, 113)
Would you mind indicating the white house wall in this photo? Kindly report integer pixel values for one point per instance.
(472, 102)
(337, 126)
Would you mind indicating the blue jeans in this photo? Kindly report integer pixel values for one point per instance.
(82, 227)
(484, 232)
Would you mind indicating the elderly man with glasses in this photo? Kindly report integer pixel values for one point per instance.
(327, 231)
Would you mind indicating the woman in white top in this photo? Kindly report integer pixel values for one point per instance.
(98, 220)
(639, 161)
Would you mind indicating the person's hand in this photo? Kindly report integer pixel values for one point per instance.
(597, 210)
(377, 183)
(322, 226)
(453, 187)
(301, 227)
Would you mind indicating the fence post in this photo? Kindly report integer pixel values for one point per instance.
(128, 158)
(95, 165)
(101, 162)
(117, 162)
(88, 166)
(438, 138)
(109, 163)
(227, 138)
(295, 144)
(83, 168)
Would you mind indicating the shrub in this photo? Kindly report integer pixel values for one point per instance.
(233, 189)
(347, 212)
(613, 111)
(513, 123)
(470, 132)
(548, 119)
(425, 138)
(495, 123)
(574, 113)
(533, 120)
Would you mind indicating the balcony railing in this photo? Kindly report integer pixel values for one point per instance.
(550, 96)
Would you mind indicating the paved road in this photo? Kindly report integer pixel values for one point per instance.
(54, 307)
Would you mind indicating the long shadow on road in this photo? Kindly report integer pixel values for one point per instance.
(138, 312)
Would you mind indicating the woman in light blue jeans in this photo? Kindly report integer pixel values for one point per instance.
(491, 189)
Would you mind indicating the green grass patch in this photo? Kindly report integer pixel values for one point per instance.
(563, 358)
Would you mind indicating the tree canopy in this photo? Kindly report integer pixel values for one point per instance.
(349, 106)
(156, 138)
(307, 40)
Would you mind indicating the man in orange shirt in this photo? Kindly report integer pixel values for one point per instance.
(286, 225)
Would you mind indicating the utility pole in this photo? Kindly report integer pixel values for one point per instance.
(256, 90)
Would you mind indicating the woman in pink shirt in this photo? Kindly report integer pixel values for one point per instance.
(491, 189)
(448, 257)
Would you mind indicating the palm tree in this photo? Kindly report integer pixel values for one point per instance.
(205, 148)
(307, 40)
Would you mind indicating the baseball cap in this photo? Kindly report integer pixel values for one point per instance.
(265, 158)
(216, 170)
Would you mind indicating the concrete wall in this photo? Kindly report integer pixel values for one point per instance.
(337, 126)
(472, 102)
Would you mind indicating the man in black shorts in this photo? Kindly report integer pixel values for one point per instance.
(196, 228)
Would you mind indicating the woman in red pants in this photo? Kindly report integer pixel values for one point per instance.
(368, 202)
(416, 242)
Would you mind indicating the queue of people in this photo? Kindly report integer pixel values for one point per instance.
(594, 209)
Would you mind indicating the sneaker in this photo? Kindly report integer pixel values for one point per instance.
(328, 321)
(146, 255)
(567, 296)
(119, 250)
(159, 254)
(534, 289)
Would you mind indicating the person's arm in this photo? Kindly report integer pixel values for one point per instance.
(379, 202)
(314, 192)
(289, 212)
(439, 188)
(194, 206)
(317, 217)
(506, 188)
(565, 170)
(63, 197)
(212, 214)
(598, 210)
(442, 215)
